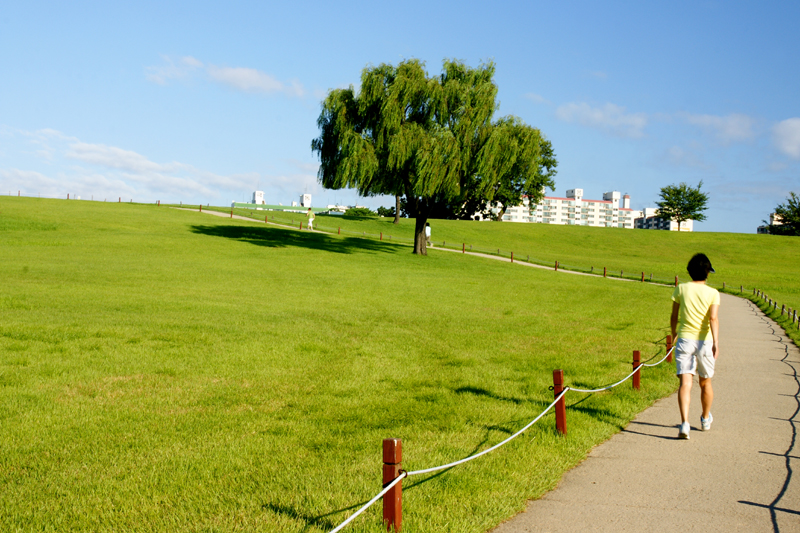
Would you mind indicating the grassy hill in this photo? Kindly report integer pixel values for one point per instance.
(172, 371)
(766, 262)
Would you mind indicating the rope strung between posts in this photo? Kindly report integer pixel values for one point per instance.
(404, 473)
(373, 500)
(442, 467)
(471, 457)
(623, 380)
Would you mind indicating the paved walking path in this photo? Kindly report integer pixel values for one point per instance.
(736, 477)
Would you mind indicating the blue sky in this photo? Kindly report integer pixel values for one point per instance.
(209, 101)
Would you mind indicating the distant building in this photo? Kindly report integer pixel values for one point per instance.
(774, 220)
(258, 197)
(573, 209)
(305, 200)
(649, 220)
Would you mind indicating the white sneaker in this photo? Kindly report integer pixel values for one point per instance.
(683, 433)
(705, 423)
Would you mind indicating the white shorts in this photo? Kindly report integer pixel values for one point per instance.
(695, 357)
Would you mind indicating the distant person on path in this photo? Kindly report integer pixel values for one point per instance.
(428, 233)
(310, 216)
(695, 326)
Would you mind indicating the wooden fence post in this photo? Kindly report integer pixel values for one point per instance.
(392, 500)
(604, 271)
(512, 257)
(561, 406)
(669, 347)
(642, 277)
(556, 266)
(463, 247)
(676, 281)
(637, 357)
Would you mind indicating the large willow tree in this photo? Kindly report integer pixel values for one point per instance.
(426, 138)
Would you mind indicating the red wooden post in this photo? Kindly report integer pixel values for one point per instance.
(676, 281)
(561, 406)
(381, 235)
(642, 277)
(231, 212)
(340, 230)
(201, 208)
(301, 226)
(669, 347)
(604, 271)
(392, 500)
(556, 266)
(512, 257)
(265, 218)
(463, 247)
(636, 362)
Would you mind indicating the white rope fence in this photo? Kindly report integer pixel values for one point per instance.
(623, 380)
(403, 474)
(386, 489)
(471, 457)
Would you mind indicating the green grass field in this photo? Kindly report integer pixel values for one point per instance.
(163, 370)
(767, 262)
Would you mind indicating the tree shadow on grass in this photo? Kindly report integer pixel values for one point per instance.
(477, 391)
(282, 238)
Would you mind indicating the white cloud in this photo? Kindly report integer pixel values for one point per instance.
(786, 135)
(538, 99)
(731, 128)
(27, 177)
(180, 69)
(244, 79)
(253, 81)
(117, 158)
(609, 117)
(88, 169)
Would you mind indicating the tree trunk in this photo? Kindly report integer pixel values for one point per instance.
(420, 241)
(396, 209)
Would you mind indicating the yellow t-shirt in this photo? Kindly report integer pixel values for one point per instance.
(696, 299)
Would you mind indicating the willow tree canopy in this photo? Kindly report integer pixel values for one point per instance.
(426, 137)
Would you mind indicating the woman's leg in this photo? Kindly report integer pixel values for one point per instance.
(685, 395)
(706, 396)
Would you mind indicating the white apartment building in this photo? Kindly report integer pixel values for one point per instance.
(649, 220)
(575, 210)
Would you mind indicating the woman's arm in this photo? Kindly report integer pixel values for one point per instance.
(713, 322)
(673, 320)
